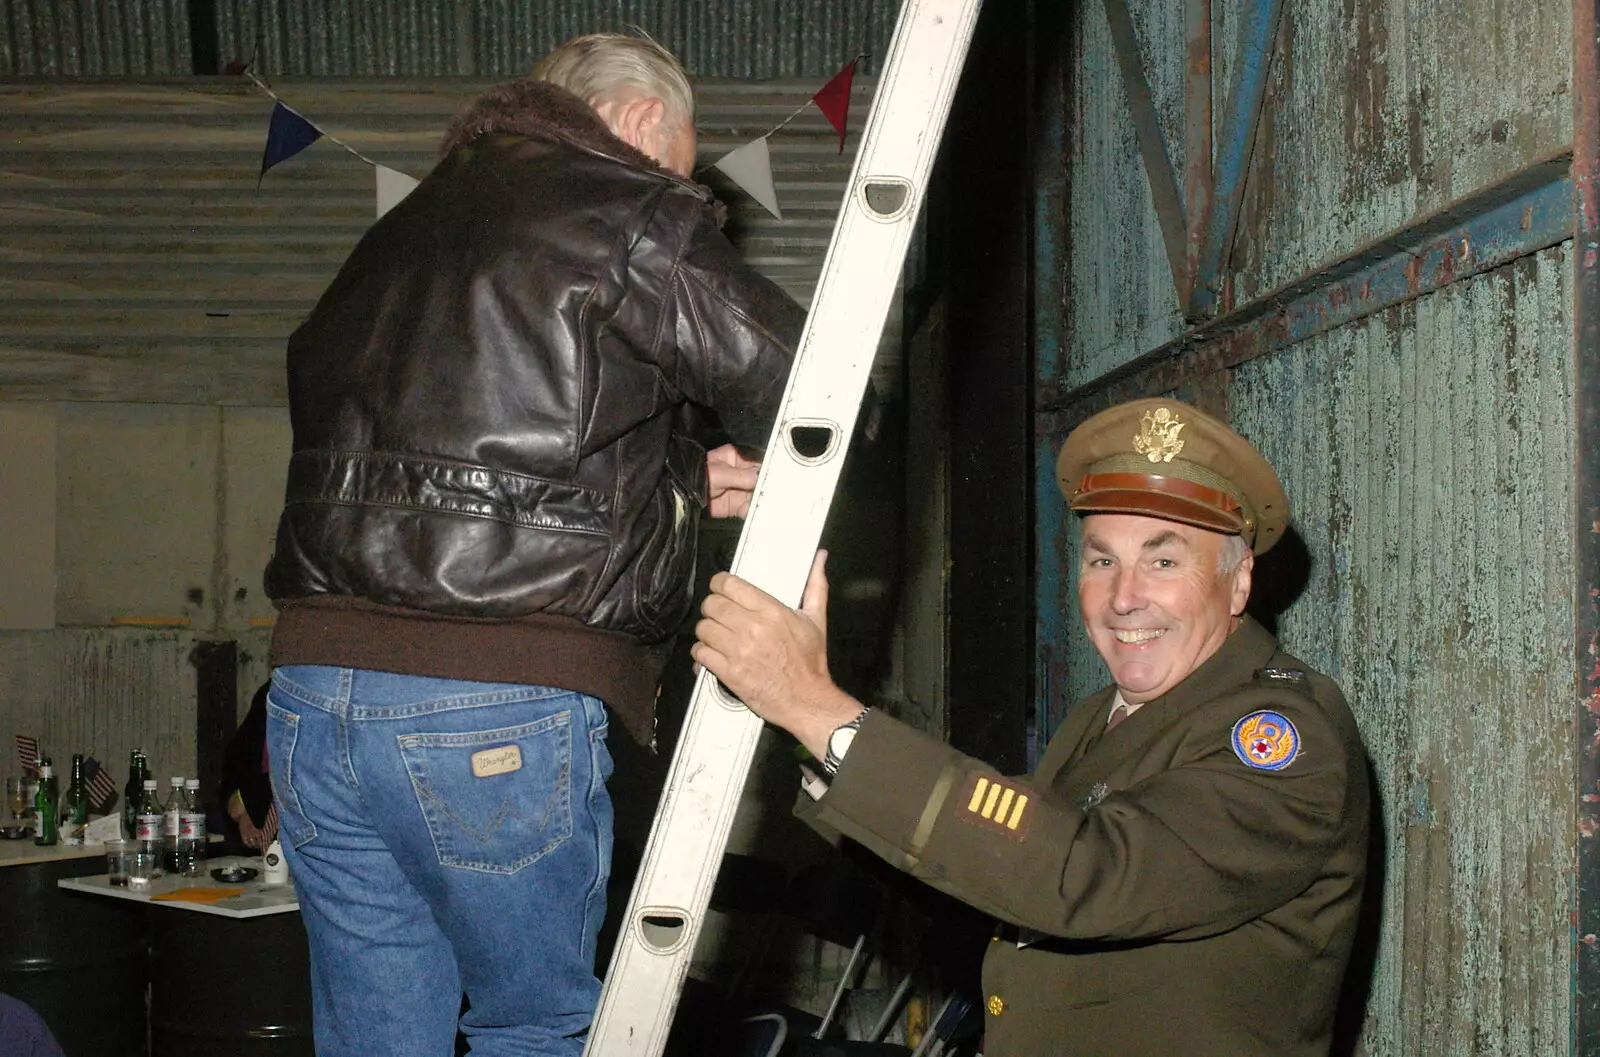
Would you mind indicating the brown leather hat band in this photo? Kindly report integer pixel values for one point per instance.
(1150, 482)
(1163, 506)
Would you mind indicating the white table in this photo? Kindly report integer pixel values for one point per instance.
(257, 900)
(23, 852)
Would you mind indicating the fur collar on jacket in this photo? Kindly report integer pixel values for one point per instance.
(524, 107)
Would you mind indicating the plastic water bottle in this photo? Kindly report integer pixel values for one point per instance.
(171, 809)
(147, 826)
(191, 832)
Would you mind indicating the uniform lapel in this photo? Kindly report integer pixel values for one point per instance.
(1098, 752)
(1074, 735)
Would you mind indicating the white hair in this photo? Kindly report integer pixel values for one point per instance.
(598, 66)
(1231, 556)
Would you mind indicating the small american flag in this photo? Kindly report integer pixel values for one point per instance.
(102, 790)
(28, 754)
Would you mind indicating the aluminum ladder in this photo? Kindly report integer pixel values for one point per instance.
(798, 475)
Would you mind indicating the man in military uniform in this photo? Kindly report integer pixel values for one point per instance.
(1182, 874)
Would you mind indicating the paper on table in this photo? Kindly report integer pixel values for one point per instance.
(104, 828)
(195, 894)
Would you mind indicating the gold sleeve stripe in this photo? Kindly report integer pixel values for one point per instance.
(1004, 807)
(988, 803)
(977, 795)
(1016, 814)
(996, 805)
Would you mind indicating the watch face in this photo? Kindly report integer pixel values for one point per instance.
(840, 740)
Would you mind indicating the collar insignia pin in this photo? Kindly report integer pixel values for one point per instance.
(1097, 793)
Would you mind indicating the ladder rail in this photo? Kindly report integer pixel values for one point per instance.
(795, 487)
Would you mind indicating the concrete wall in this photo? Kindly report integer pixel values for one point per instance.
(131, 532)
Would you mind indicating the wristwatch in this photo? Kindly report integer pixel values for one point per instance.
(839, 743)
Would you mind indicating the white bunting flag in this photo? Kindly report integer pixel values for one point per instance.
(750, 166)
(392, 186)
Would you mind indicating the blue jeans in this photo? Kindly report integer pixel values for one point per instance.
(443, 836)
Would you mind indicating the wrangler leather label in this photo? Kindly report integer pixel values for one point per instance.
(501, 760)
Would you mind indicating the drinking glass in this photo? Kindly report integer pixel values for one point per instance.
(117, 864)
(17, 798)
(143, 866)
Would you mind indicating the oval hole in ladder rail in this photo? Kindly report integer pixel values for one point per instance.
(661, 931)
(811, 442)
(885, 197)
(727, 698)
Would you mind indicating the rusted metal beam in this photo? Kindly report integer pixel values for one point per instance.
(1053, 612)
(1586, 356)
(1258, 28)
(1152, 144)
(1522, 214)
(1197, 133)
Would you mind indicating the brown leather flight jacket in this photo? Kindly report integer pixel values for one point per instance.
(494, 404)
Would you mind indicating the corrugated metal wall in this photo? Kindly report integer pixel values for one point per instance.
(1121, 298)
(1376, 111)
(433, 38)
(1428, 451)
(429, 38)
(1386, 110)
(139, 260)
(81, 38)
(106, 691)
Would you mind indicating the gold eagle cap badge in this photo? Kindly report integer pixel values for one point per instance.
(1158, 438)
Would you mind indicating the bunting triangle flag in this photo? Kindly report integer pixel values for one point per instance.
(833, 99)
(287, 135)
(750, 166)
(392, 187)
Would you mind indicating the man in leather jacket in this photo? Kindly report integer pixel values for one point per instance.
(501, 410)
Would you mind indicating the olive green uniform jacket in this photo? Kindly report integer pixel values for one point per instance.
(1189, 902)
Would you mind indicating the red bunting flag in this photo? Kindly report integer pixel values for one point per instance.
(833, 99)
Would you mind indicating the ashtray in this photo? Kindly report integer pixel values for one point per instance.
(9, 832)
(234, 874)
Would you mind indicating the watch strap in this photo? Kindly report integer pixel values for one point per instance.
(832, 760)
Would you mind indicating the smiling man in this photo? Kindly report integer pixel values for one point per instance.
(1183, 872)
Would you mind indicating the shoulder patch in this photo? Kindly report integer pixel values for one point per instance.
(995, 804)
(1266, 741)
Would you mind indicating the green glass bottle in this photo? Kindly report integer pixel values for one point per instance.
(132, 792)
(75, 806)
(44, 805)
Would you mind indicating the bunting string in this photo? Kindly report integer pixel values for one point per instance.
(833, 99)
(749, 166)
(320, 130)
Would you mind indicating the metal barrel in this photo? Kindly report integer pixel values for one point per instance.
(78, 960)
(232, 986)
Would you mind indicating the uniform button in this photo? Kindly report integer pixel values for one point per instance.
(997, 1005)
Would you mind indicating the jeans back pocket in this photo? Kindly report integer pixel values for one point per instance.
(495, 800)
(283, 735)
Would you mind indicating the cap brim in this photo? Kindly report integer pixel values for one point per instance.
(1161, 505)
